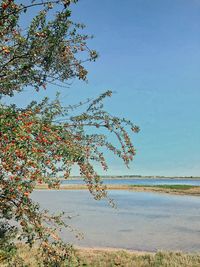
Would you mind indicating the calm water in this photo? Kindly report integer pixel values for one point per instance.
(142, 221)
(141, 181)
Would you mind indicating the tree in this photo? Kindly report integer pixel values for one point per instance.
(44, 139)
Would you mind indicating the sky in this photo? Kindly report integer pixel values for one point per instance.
(150, 57)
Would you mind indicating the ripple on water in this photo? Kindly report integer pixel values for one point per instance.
(142, 220)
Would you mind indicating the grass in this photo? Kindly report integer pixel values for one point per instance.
(109, 258)
(166, 186)
(169, 189)
(126, 259)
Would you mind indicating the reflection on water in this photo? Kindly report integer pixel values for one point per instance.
(141, 181)
(142, 221)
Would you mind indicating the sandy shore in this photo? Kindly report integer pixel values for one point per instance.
(109, 249)
(175, 190)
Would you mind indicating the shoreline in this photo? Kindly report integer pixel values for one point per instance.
(113, 249)
(128, 177)
(167, 189)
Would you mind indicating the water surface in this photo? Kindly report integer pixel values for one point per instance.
(142, 220)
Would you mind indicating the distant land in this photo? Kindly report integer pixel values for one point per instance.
(136, 177)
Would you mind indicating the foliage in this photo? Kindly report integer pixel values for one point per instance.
(7, 247)
(48, 50)
(44, 139)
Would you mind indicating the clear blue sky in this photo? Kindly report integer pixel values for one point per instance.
(150, 55)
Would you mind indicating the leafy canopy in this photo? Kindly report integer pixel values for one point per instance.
(43, 140)
(47, 51)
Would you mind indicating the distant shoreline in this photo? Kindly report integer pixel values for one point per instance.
(128, 177)
(167, 189)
